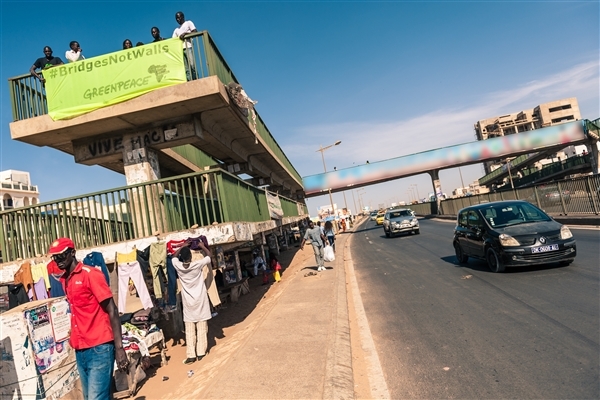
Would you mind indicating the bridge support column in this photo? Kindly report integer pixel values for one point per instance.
(592, 149)
(437, 188)
(147, 211)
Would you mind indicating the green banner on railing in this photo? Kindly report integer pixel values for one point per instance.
(83, 86)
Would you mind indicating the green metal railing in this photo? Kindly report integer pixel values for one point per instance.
(577, 197)
(28, 97)
(500, 171)
(136, 211)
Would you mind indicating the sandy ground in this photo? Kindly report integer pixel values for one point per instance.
(227, 329)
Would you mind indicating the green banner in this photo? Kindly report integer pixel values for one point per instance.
(83, 86)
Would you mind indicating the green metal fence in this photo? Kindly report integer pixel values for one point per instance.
(576, 197)
(28, 97)
(136, 211)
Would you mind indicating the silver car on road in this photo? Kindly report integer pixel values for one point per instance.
(400, 220)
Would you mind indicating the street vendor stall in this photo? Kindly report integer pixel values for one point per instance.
(37, 360)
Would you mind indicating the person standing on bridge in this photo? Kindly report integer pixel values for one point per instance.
(45, 62)
(317, 239)
(75, 54)
(185, 28)
(155, 32)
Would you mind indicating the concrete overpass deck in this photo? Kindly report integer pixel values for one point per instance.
(199, 113)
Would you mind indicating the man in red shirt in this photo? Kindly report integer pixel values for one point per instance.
(95, 325)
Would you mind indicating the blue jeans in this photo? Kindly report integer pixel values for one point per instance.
(95, 366)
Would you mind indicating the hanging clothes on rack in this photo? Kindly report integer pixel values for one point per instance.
(40, 271)
(23, 275)
(17, 295)
(39, 287)
(172, 282)
(96, 259)
(158, 262)
(174, 245)
(128, 267)
(54, 274)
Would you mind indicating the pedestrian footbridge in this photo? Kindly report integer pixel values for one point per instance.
(540, 141)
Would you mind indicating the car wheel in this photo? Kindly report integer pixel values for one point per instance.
(417, 232)
(387, 234)
(460, 255)
(493, 261)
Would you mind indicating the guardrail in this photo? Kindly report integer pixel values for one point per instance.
(28, 97)
(136, 211)
(576, 197)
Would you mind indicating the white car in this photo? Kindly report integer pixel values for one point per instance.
(400, 220)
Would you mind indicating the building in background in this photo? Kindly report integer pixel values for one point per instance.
(544, 115)
(16, 190)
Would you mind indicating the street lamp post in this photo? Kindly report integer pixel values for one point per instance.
(322, 150)
(416, 185)
(360, 199)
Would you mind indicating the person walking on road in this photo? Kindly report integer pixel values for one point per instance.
(317, 239)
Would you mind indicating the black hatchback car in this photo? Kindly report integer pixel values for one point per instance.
(510, 234)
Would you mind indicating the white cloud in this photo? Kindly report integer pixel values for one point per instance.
(375, 141)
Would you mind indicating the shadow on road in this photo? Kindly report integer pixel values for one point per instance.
(480, 265)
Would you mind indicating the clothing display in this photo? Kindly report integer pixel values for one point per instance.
(174, 245)
(96, 259)
(41, 292)
(127, 257)
(131, 270)
(211, 286)
(54, 274)
(23, 275)
(17, 295)
(158, 261)
(40, 271)
(171, 282)
(56, 288)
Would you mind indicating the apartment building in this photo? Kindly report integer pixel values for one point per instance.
(547, 114)
(16, 190)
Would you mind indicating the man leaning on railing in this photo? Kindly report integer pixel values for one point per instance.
(44, 62)
(184, 28)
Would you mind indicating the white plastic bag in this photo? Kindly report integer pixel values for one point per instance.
(328, 254)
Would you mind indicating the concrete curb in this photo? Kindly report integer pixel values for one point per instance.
(592, 220)
(339, 378)
(377, 385)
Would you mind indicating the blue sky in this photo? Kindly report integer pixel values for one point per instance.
(386, 78)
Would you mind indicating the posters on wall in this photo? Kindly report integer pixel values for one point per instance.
(274, 204)
(49, 328)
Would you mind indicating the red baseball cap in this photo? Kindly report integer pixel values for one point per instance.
(60, 245)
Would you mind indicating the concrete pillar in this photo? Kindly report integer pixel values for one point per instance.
(437, 188)
(592, 149)
(141, 165)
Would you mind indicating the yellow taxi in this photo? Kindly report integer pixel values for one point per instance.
(379, 218)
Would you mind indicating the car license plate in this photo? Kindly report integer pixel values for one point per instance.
(543, 249)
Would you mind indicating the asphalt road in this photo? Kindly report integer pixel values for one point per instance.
(447, 331)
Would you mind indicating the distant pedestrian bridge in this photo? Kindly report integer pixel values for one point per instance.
(432, 161)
